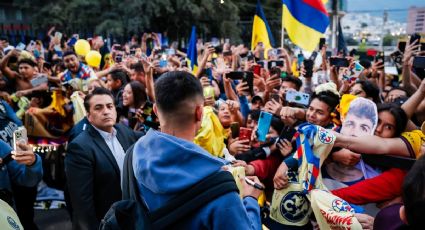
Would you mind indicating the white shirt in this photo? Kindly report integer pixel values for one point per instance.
(114, 145)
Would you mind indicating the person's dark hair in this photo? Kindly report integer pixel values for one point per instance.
(277, 124)
(138, 67)
(399, 115)
(119, 75)
(69, 52)
(27, 61)
(173, 88)
(298, 83)
(414, 195)
(398, 88)
(371, 90)
(96, 91)
(331, 99)
(139, 93)
(255, 114)
(364, 110)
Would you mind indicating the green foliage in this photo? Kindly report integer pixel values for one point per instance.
(126, 17)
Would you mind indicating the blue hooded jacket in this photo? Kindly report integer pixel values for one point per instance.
(20, 174)
(165, 166)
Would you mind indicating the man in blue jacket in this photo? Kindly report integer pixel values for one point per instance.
(167, 163)
(24, 169)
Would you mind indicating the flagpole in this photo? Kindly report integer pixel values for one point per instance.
(282, 38)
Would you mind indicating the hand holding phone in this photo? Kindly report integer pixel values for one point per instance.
(19, 137)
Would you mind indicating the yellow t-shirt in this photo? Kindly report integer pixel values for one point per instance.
(413, 141)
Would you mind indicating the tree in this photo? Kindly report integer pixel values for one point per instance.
(123, 18)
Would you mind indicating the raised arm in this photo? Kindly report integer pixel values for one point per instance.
(207, 52)
(5, 61)
(372, 145)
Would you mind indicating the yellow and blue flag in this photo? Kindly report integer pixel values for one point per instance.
(261, 31)
(192, 51)
(305, 22)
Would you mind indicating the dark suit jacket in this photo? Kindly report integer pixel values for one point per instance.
(93, 175)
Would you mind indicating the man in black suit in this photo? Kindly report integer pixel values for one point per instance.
(94, 161)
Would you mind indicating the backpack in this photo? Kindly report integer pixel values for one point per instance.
(132, 212)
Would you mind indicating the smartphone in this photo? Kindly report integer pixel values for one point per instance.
(234, 127)
(275, 71)
(401, 46)
(20, 46)
(163, 63)
(19, 136)
(380, 58)
(423, 46)
(397, 57)
(415, 37)
(256, 69)
(245, 133)
(275, 97)
(245, 76)
(300, 58)
(419, 62)
(170, 52)
(308, 67)
(272, 64)
(209, 92)
(263, 125)
(287, 133)
(118, 58)
(339, 62)
(132, 52)
(322, 42)
(297, 97)
(147, 109)
(38, 80)
(313, 56)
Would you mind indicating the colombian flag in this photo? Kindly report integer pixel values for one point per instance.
(305, 22)
(192, 51)
(261, 31)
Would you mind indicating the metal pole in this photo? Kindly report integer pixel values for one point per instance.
(282, 37)
(334, 24)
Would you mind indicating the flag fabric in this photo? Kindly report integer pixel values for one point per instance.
(305, 22)
(192, 52)
(342, 47)
(261, 31)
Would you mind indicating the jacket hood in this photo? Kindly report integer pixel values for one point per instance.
(166, 165)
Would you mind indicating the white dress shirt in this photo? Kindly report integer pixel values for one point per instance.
(114, 145)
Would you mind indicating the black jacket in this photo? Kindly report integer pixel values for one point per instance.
(93, 175)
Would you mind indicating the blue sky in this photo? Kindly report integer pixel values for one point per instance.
(380, 5)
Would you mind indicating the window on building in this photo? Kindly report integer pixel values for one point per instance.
(2, 14)
(420, 20)
(19, 15)
(419, 25)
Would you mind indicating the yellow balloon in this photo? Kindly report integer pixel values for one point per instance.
(93, 58)
(82, 47)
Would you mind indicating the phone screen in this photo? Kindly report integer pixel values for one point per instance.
(264, 125)
(234, 127)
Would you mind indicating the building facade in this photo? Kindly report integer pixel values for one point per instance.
(416, 20)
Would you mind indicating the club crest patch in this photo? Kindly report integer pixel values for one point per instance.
(294, 207)
(325, 137)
